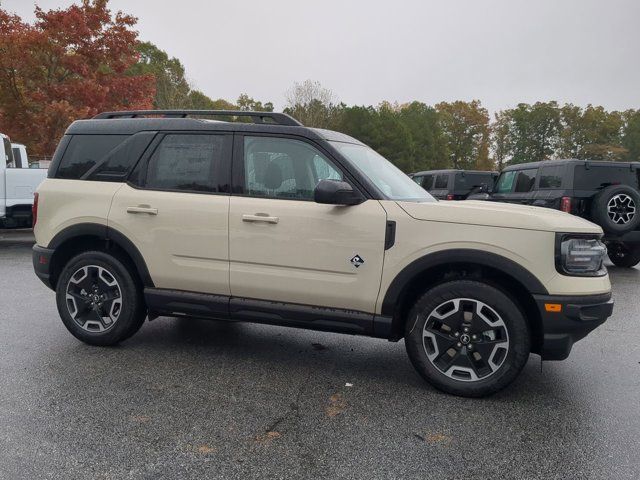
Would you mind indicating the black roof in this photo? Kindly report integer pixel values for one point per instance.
(569, 161)
(127, 123)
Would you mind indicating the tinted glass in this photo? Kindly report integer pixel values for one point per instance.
(427, 182)
(418, 180)
(84, 152)
(284, 168)
(441, 181)
(505, 182)
(117, 164)
(186, 162)
(551, 176)
(525, 180)
(598, 176)
(8, 153)
(17, 157)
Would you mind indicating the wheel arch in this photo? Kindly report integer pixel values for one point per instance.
(430, 270)
(87, 236)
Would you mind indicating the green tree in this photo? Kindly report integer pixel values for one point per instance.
(534, 131)
(172, 88)
(312, 104)
(466, 130)
(500, 130)
(591, 133)
(429, 147)
(631, 135)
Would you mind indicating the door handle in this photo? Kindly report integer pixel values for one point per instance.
(142, 209)
(260, 217)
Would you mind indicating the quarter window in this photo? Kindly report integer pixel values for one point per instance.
(186, 163)
(8, 153)
(284, 168)
(85, 151)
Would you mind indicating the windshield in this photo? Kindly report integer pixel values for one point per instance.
(393, 183)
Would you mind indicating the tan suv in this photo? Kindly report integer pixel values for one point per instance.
(161, 213)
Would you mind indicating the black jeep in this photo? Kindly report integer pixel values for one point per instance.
(607, 193)
(454, 184)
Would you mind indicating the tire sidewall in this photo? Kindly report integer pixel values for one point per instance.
(518, 331)
(130, 293)
(600, 215)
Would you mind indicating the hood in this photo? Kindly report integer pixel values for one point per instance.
(506, 215)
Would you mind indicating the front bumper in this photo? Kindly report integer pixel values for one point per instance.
(41, 258)
(577, 316)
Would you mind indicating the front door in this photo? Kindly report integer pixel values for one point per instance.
(177, 213)
(283, 246)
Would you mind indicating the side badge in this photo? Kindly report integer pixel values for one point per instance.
(357, 261)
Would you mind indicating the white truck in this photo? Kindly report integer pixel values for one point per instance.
(18, 182)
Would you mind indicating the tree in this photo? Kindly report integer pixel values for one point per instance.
(500, 139)
(246, 103)
(631, 135)
(466, 129)
(429, 147)
(172, 88)
(71, 63)
(592, 133)
(311, 104)
(534, 131)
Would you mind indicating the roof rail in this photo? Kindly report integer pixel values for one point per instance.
(257, 117)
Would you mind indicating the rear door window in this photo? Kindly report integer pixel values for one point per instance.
(525, 179)
(187, 162)
(442, 181)
(17, 157)
(8, 153)
(551, 177)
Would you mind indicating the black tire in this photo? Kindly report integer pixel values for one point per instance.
(494, 362)
(624, 255)
(118, 310)
(617, 209)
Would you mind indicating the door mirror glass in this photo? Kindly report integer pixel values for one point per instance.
(336, 192)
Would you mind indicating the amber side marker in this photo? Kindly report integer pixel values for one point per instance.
(553, 307)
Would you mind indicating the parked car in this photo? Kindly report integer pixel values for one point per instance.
(454, 184)
(606, 193)
(18, 182)
(273, 222)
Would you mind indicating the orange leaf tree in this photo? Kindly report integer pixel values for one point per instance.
(69, 64)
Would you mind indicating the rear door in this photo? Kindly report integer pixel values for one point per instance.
(286, 248)
(441, 186)
(175, 210)
(550, 185)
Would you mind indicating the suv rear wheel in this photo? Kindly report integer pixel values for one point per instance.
(617, 209)
(99, 301)
(624, 255)
(467, 338)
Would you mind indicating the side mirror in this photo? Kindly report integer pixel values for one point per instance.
(336, 192)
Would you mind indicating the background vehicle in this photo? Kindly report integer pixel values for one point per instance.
(273, 222)
(453, 184)
(606, 193)
(18, 182)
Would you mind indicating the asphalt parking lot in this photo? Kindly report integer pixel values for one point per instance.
(199, 399)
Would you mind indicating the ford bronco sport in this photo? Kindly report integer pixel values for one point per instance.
(158, 213)
(606, 193)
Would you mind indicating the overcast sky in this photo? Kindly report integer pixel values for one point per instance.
(499, 51)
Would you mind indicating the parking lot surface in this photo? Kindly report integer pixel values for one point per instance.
(201, 399)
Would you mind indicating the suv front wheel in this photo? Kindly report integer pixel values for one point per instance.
(99, 301)
(467, 338)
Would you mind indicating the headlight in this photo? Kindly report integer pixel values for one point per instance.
(580, 255)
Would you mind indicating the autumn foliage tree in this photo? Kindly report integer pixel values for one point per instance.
(69, 64)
